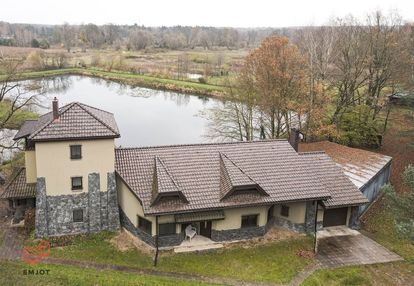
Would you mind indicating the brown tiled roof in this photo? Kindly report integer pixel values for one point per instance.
(359, 165)
(274, 165)
(163, 183)
(76, 121)
(343, 191)
(18, 188)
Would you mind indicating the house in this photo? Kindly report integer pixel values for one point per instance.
(226, 191)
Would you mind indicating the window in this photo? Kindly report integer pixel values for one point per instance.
(284, 211)
(75, 152)
(249, 221)
(78, 215)
(144, 225)
(21, 202)
(77, 183)
(166, 229)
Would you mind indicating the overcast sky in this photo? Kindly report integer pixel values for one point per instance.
(232, 13)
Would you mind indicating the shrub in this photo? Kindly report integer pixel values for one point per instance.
(202, 80)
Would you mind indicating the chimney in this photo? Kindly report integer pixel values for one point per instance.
(294, 138)
(55, 105)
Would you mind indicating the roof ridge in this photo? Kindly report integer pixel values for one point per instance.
(167, 171)
(94, 116)
(65, 108)
(15, 175)
(93, 107)
(234, 164)
(312, 152)
(203, 144)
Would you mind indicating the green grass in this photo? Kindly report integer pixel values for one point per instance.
(273, 262)
(397, 273)
(11, 273)
(133, 79)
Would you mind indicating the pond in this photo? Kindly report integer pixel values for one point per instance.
(145, 117)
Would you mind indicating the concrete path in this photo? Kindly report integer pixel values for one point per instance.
(337, 251)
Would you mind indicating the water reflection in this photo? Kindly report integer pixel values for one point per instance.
(145, 116)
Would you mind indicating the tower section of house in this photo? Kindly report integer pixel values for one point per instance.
(70, 157)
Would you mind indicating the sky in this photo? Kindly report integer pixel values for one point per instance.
(218, 13)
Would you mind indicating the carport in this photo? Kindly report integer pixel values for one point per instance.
(341, 246)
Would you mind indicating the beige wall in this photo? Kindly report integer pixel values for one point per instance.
(30, 163)
(54, 164)
(133, 208)
(296, 212)
(233, 217)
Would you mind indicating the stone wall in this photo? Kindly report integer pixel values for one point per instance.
(163, 241)
(237, 234)
(54, 214)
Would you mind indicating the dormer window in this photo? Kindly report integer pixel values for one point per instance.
(75, 152)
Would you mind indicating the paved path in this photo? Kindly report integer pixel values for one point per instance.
(13, 238)
(357, 249)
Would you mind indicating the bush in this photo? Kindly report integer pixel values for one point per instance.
(202, 80)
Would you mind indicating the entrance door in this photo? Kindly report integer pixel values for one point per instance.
(205, 228)
(333, 217)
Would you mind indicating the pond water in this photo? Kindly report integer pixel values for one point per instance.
(145, 117)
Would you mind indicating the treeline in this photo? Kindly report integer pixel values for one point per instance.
(331, 82)
(133, 37)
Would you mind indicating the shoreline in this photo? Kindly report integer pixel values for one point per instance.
(187, 87)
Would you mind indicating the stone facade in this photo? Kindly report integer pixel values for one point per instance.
(163, 241)
(299, 227)
(237, 234)
(54, 214)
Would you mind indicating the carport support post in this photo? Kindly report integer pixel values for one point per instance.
(315, 242)
(156, 241)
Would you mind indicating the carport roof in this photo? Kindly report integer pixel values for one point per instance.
(360, 166)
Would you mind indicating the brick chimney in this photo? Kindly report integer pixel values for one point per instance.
(55, 105)
(294, 138)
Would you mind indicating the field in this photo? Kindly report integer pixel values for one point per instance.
(209, 67)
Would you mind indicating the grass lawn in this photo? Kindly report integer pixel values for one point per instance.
(11, 273)
(398, 273)
(273, 262)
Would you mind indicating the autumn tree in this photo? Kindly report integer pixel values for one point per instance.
(275, 73)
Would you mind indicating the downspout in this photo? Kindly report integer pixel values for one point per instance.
(315, 242)
(156, 241)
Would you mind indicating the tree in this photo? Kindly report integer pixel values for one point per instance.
(15, 101)
(67, 35)
(275, 73)
(401, 205)
(140, 39)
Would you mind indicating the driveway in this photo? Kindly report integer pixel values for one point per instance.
(351, 248)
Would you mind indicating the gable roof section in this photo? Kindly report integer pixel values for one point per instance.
(17, 188)
(76, 121)
(232, 179)
(343, 191)
(273, 164)
(360, 166)
(164, 184)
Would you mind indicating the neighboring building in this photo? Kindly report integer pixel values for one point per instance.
(19, 194)
(227, 191)
(368, 171)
